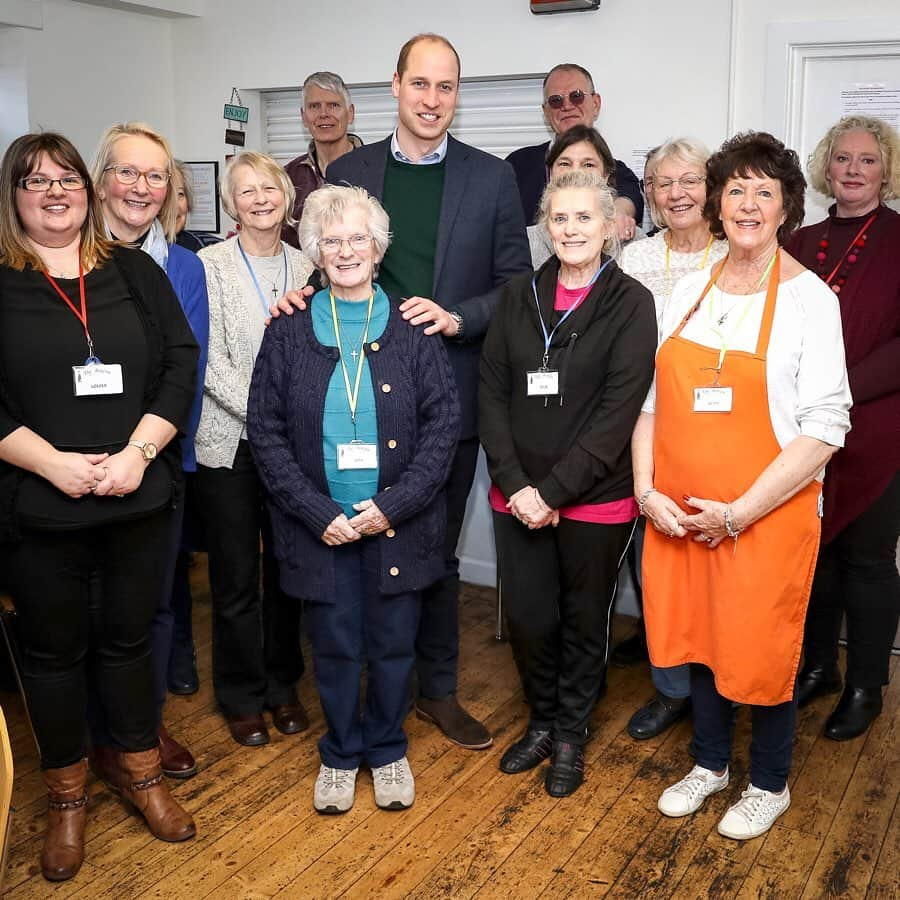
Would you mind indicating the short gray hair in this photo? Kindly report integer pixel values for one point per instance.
(329, 204)
(585, 179)
(326, 81)
(261, 163)
(688, 149)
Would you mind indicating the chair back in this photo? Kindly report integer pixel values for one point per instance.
(6, 786)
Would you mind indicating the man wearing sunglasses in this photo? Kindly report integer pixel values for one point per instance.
(570, 99)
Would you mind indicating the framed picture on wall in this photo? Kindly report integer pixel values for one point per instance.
(205, 181)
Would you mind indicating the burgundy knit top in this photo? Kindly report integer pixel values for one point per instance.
(870, 314)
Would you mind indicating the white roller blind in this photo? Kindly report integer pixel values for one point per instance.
(496, 116)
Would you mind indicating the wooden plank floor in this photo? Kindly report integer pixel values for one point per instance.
(472, 830)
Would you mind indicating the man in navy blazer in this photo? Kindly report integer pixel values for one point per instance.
(458, 236)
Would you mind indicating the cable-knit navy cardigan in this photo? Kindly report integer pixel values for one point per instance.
(418, 426)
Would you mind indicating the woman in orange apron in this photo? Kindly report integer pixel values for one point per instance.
(749, 403)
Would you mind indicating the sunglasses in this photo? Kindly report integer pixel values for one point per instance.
(556, 101)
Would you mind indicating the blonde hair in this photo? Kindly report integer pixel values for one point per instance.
(687, 149)
(259, 162)
(168, 212)
(330, 204)
(19, 161)
(888, 143)
(585, 179)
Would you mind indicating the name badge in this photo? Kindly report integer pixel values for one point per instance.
(712, 399)
(97, 379)
(542, 383)
(357, 455)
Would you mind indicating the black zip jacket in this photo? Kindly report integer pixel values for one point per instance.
(575, 447)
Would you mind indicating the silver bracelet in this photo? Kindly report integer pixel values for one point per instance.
(730, 527)
(642, 500)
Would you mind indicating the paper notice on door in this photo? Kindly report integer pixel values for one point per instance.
(878, 99)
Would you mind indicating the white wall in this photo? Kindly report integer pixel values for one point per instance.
(89, 67)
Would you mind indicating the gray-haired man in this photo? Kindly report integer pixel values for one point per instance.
(327, 112)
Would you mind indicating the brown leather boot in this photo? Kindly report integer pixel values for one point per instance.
(63, 850)
(144, 787)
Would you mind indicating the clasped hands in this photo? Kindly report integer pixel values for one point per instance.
(368, 521)
(707, 525)
(529, 508)
(101, 474)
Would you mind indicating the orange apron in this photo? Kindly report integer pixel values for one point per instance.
(738, 610)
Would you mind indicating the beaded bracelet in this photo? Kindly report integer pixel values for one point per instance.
(730, 527)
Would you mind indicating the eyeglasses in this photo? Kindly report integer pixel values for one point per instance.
(687, 182)
(40, 183)
(334, 244)
(130, 175)
(556, 101)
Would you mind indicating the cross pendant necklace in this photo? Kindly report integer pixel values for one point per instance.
(354, 354)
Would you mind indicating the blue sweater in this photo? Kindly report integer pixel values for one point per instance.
(418, 426)
(188, 278)
(349, 486)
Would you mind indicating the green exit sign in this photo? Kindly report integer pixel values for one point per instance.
(237, 113)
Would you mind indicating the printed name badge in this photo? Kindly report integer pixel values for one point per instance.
(542, 383)
(97, 379)
(357, 455)
(712, 399)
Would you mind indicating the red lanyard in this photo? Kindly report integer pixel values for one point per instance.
(851, 247)
(81, 316)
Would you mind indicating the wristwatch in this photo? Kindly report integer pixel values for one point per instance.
(460, 323)
(147, 448)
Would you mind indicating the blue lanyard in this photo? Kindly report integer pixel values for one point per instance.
(259, 292)
(548, 338)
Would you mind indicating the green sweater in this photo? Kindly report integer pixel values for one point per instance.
(412, 197)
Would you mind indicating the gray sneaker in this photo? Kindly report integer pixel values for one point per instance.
(395, 787)
(335, 790)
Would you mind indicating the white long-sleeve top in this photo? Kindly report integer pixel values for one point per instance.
(806, 375)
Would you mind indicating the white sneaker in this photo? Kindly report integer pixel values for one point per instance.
(754, 814)
(335, 790)
(395, 787)
(687, 796)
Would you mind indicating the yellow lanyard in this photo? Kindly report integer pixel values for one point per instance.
(702, 265)
(352, 395)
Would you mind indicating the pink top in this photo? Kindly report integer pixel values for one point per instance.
(613, 513)
(566, 298)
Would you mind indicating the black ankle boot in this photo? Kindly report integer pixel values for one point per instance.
(817, 681)
(855, 712)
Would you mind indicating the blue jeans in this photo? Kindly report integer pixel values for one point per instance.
(359, 626)
(773, 733)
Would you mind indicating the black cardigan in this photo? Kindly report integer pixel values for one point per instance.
(577, 451)
(172, 371)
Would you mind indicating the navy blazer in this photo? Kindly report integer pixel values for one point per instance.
(530, 166)
(481, 244)
(418, 427)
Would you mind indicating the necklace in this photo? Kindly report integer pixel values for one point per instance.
(667, 239)
(847, 260)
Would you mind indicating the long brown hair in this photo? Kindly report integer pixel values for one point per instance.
(23, 154)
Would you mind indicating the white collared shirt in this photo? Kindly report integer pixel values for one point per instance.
(806, 376)
(429, 159)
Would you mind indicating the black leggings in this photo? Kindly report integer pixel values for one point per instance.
(857, 574)
(48, 574)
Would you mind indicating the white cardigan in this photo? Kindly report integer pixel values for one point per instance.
(230, 364)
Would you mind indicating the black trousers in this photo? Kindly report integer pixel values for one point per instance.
(437, 641)
(856, 575)
(49, 575)
(256, 653)
(558, 589)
